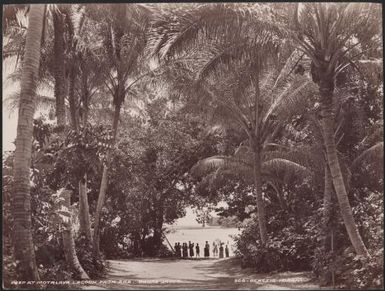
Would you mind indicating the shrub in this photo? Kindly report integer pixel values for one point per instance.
(350, 270)
(95, 268)
(286, 249)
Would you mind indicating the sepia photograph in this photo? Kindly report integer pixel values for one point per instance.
(192, 146)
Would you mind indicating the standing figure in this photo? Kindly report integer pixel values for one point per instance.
(184, 250)
(176, 249)
(227, 250)
(197, 250)
(215, 249)
(179, 250)
(189, 248)
(192, 250)
(207, 250)
(221, 251)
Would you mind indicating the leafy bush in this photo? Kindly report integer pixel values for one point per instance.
(358, 273)
(95, 268)
(47, 237)
(9, 266)
(350, 270)
(289, 249)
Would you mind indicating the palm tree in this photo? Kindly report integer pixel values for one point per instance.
(77, 49)
(21, 202)
(332, 36)
(63, 204)
(53, 62)
(64, 18)
(59, 71)
(228, 48)
(125, 38)
(232, 96)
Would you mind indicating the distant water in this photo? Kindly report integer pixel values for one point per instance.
(202, 234)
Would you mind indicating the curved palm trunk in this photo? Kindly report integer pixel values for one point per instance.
(21, 202)
(60, 89)
(103, 185)
(68, 240)
(259, 199)
(338, 182)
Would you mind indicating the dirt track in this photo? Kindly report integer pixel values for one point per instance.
(196, 274)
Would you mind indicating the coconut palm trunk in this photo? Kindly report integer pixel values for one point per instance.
(324, 36)
(327, 124)
(68, 239)
(71, 96)
(84, 217)
(21, 202)
(103, 184)
(60, 89)
(327, 204)
(258, 195)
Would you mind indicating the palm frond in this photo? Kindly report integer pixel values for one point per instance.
(244, 152)
(238, 166)
(303, 155)
(178, 30)
(42, 101)
(373, 154)
(282, 167)
(328, 34)
(292, 100)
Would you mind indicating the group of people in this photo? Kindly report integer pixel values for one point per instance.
(193, 250)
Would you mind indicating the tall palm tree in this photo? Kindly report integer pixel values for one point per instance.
(333, 36)
(59, 71)
(229, 47)
(21, 202)
(125, 38)
(53, 61)
(233, 93)
(74, 20)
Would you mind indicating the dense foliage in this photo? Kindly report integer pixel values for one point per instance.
(275, 109)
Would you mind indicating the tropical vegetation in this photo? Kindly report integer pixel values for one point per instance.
(130, 113)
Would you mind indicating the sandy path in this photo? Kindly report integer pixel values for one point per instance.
(196, 274)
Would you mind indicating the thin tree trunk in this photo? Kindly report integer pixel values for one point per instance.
(159, 225)
(101, 197)
(118, 99)
(258, 194)
(103, 185)
(142, 244)
(60, 89)
(327, 204)
(21, 202)
(84, 209)
(338, 182)
(68, 240)
(71, 97)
